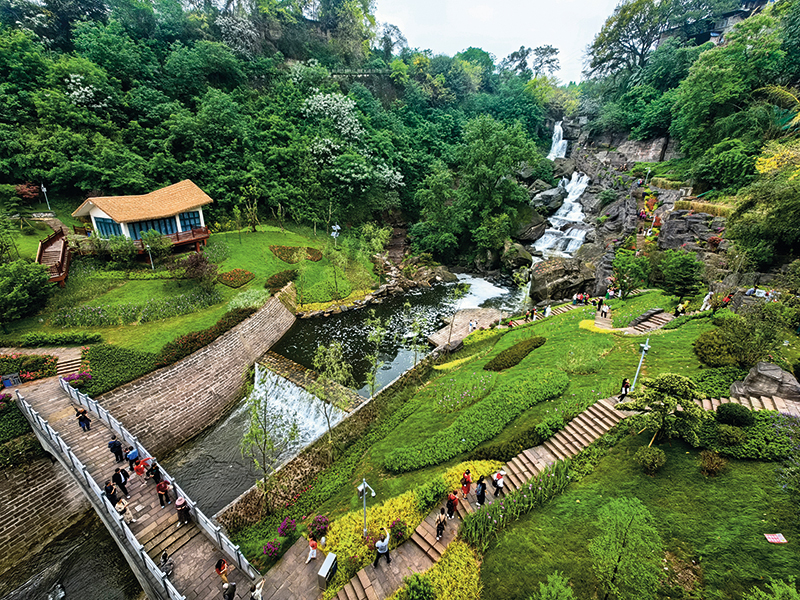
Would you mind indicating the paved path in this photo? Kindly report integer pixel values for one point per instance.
(155, 527)
(460, 329)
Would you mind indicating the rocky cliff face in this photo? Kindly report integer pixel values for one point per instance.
(560, 278)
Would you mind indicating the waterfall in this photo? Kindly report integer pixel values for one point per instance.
(289, 401)
(558, 149)
(566, 235)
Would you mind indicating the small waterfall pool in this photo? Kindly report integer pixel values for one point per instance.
(558, 147)
(567, 231)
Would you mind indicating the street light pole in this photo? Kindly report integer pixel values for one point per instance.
(44, 191)
(362, 491)
(152, 266)
(645, 348)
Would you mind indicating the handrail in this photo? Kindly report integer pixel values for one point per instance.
(77, 467)
(195, 233)
(211, 530)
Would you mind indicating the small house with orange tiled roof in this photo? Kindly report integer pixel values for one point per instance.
(174, 211)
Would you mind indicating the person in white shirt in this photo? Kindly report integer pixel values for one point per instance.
(707, 301)
(382, 546)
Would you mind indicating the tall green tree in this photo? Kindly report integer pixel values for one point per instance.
(334, 376)
(24, 288)
(626, 555)
(682, 272)
(630, 271)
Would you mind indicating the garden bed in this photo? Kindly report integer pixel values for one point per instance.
(235, 278)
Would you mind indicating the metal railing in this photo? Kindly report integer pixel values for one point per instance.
(207, 526)
(61, 448)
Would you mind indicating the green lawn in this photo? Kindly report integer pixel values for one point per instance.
(716, 522)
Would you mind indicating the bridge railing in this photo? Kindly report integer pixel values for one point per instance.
(207, 526)
(60, 447)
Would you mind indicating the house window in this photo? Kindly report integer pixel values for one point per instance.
(107, 227)
(190, 220)
(163, 226)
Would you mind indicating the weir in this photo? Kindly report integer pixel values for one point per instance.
(194, 548)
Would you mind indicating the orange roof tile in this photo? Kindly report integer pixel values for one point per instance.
(166, 202)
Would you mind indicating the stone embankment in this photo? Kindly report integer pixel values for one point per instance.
(170, 406)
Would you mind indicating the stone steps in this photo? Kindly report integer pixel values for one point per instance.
(752, 402)
(654, 322)
(68, 366)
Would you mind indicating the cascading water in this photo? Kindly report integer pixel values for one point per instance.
(558, 149)
(566, 235)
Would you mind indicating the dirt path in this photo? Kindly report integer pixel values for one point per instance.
(397, 245)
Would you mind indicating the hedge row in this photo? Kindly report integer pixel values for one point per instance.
(191, 342)
(479, 422)
(511, 357)
(112, 366)
(76, 338)
(768, 438)
(12, 422)
(682, 320)
(716, 383)
(277, 281)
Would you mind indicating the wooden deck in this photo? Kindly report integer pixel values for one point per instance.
(155, 527)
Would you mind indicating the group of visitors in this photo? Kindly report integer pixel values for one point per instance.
(581, 299)
(473, 325)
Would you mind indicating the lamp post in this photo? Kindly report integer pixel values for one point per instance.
(44, 191)
(645, 348)
(362, 493)
(334, 235)
(151, 257)
(646, 177)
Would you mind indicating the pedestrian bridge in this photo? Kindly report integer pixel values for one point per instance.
(49, 406)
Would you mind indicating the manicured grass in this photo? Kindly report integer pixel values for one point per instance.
(625, 311)
(28, 245)
(716, 522)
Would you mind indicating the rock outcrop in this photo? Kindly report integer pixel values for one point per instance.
(549, 201)
(558, 278)
(766, 379)
(685, 229)
(533, 229)
(515, 256)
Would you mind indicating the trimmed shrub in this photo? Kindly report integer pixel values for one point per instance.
(650, 459)
(511, 357)
(191, 342)
(479, 422)
(112, 366)
(730, 435)
(77, 338)
(711, 463)
(712, 350)
(277, 281)
(12, 422)
(732, 413)
(418, 587)
(429, 494)
(768, 438)
(716, 383)
(318, 526)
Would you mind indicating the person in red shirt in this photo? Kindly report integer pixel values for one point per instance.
(452, 502)
(312, 549)
(466, 482)
(223, 568)
(163, 492)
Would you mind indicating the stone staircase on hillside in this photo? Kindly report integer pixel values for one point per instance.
(752, 402)
(584, 429)
(68, 366)
(656, 321)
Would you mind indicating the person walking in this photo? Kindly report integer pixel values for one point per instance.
(163, 492)
(382, 546)
(182, 508)
(480, 490)
(120, 478)
(452, 502)
(229, 591)
(83, 420)
(223, 569)
(154, 473)
(600, 306)
(167, 565)
(132, 454)
(140, 468)
(499, 483)
(110, 491)
(122, 509)
(441, 521)
(312, 549)
(466, 483)
(256, 590)
(116, 448)
(605, 311)
(626, 388)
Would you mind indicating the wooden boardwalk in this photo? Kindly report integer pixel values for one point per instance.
(155, 528)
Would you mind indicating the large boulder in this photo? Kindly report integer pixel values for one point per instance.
(515, 256)
(549, 201)
(533, 229)
(571, 131)
(766, 379)
(683, 227)
(560, 278)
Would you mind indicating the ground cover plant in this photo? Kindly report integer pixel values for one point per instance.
(511, 357)
(712, 528)
(112, 366)
(29, 366)
(454, 394)
(235, 278)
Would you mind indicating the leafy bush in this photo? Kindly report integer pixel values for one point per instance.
(716, 383)
(650, 459)
(249, 299)
(513, 356)
(78, 380)
(682, 320)
(29, 366)
(711, 463)
(457, 574)
(21, 450)
(399, 531)
(736, 414)
(430, 493)
(12, 422)
(418, 587)
(217, 252)
(191, 342)
(768, 438)
(277, 281)
(77, 338)
(318, 526)
(556, 588)
(711, 349)
(235, 278)
(112, 366)
(288, 254)
(479, 422)
(730, 435)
